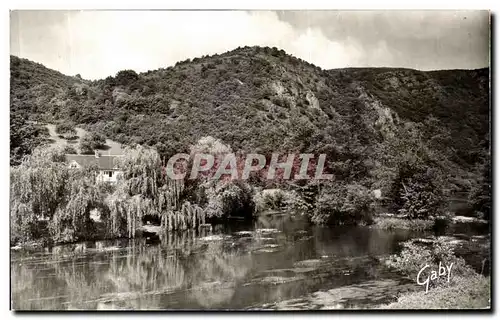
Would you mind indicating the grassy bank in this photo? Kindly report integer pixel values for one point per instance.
(464, 289)
(464, 293)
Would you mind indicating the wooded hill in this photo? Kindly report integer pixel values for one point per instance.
(260, 99)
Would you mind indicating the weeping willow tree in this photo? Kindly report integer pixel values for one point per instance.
(37, 188)
(126, 212)
(144, 190)
(47, 198)
(189, 216)
(137, 191)
(45, 193)
(141, 170)
(71, 220)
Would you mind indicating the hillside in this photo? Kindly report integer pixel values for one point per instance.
(458, 98)
(33, 88)
(264, 100)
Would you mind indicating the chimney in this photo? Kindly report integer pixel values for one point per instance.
(97, 154)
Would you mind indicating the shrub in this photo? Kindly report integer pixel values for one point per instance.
(66, 128)
(415, 256)
(479, 197)
(257, 81)
(265, 92)
(126, 77)
(418, 191)
(344, 204)
(277, 199)
(229, 199)
(406, 224)
(91, 141)
(281, 101)
(69, 149)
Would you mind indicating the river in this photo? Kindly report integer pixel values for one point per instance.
(276, 262)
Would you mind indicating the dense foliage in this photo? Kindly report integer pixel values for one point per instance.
(43, 189)
(416, 255)
(52, 202)
(66, 128)
(344, 204)
(91, 141)
(415, 135)
(465, 288)
(278, 199)
(480, 195)
(25, 136)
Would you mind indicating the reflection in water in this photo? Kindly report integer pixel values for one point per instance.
(273, 260)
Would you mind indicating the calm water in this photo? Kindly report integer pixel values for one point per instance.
(276, 262)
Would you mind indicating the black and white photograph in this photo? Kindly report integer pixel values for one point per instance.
(250, 160)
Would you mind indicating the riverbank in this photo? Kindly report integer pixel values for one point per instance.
(392, 222)
(464, 293)
(467, 286)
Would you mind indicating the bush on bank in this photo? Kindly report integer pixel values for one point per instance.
(473, 292)
(414, 256)
(229, 199)
(344, 204)
(392, 223)
(278, 199)
(466, 288)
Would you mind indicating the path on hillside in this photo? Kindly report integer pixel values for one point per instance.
(112, 147)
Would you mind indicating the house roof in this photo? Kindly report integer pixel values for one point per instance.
(104, 162)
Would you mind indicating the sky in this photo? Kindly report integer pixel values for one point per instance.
(97, 44)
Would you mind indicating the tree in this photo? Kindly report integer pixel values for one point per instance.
(66, 127)
(24, 137)
(126, 77)
(71, 220)
(419, 183)
(91, 141)
(144, 191)
(480, 193)
(343, 204)
(419, 192)
(37, 189)
(69, 149)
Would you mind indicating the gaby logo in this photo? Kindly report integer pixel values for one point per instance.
(232, 166)
(434, 275)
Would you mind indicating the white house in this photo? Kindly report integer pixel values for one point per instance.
(106, 164)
